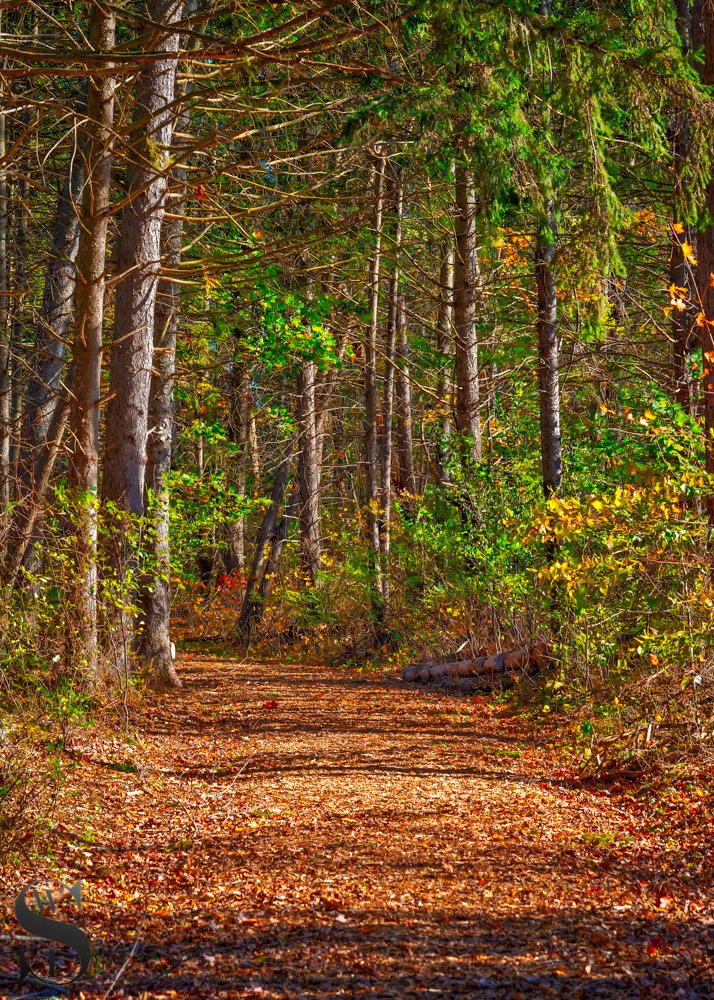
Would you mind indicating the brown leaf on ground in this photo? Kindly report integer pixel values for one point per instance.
(304, 832)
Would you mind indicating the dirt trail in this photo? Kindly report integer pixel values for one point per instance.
(298, 832)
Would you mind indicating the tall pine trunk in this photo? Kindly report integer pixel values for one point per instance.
(135, 314)
(467, 278)
(252, 608)
(155, 646)
(679, 271)
(309, 463)
(5, 388)
(444, 345)
(407, 475)
(139, 264)
(705, 248)
(21, 305)
(548, 356)
(241, 409)
(390, 347)
(53, 324)
(42, 420)
(370, 391)
(96, 137)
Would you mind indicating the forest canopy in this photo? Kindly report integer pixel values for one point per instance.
(357, 498)
(357, 329)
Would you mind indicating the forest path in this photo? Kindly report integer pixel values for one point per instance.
(305, 832)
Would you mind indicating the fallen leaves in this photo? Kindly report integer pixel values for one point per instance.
(395, 844)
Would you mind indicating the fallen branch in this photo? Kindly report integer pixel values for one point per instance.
(483, 672)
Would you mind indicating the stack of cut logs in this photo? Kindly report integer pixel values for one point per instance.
(484, 673)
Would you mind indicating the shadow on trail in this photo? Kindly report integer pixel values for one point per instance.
(448, 954)
(353, 847)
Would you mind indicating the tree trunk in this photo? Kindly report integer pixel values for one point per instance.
(467, 280)
(135, 314)
(705, 247)
(251, 609)
(548, 357)
(407, 476)
(139, 263)
(484, 671)
(155, 647)
(21, 297)
(444, 345)
(25, 521)
(280, 536)
(96, 136)
(38, 444)
(5, 388)
(309, 461)
(370, 385)
(43, 389)
(390, 345)
(679, 270)
(241, 406)
(155, 641)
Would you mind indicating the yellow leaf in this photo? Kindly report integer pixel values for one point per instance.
(678, 227)
(688, 252)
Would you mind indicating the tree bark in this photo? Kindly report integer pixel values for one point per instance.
(27, 517)
(43, 389)
(38, 440)
(370, 385)
(705, 248)
(241, 407)
(407, 475)
(5, 387)
(548, 357)
(139, 255)
(679, 270)
(467, 279)
(533, 658)
(390, 346)
(279, 538)
(444, 345)
(21, 296)
(309, 462)
(139, 263)
(155, 640)
(155, 647)
(250, 611)
(96, 136)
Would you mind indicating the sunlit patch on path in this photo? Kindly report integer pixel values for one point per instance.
(301, 832)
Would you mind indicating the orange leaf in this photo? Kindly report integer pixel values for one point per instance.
(678, 227)
(688, 252)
